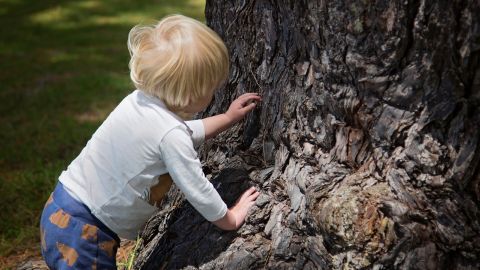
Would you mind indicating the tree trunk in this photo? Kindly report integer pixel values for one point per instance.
(365, 147)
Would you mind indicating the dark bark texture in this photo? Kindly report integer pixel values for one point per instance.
(365, 147)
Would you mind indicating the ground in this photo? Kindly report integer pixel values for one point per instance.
(30, 258)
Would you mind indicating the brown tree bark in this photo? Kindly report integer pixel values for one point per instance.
(365, 148)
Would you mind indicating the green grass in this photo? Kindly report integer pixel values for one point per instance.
(63, 68)
(128, 264)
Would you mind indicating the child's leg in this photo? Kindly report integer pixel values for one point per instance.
(70, 241)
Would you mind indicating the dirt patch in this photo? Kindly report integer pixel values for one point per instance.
(31, 258)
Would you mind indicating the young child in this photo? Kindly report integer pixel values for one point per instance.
(112, 188)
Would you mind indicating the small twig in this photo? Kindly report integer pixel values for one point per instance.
(132, 255)
(255, 78)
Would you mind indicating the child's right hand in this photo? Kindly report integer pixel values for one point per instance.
(241, 106)
(236, 215)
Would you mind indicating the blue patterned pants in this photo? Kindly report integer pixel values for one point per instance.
(72, 238)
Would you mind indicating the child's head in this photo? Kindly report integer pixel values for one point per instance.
(179, 60)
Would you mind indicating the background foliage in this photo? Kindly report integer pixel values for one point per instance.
(63, 68)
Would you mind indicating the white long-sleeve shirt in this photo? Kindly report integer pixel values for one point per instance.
(140, 140)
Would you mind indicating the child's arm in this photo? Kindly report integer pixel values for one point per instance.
(238, 109)
(181, 160)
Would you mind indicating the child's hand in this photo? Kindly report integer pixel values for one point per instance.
(214, 125)
(235, 216)
(243, 204)
(241, 106)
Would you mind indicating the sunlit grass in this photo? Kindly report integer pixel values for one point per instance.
(89, 13)
(63, 68)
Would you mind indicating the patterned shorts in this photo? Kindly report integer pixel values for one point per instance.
(72, 238)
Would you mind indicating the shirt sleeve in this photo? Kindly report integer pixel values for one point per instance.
(198, 135)
(185, 168)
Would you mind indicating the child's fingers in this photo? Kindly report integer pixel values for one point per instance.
(249, 107)
(248, 98)
(248, 94)
(252, 100)
(254, 196)
(252, 190)
(248, 192)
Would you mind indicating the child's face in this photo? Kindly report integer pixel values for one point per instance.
(200, 104)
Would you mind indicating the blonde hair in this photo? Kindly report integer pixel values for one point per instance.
(179, 60)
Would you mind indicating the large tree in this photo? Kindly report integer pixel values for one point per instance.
(365, 147)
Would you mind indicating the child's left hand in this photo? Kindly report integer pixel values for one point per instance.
(242, 105)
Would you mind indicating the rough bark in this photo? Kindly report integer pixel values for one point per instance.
(365, 148)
